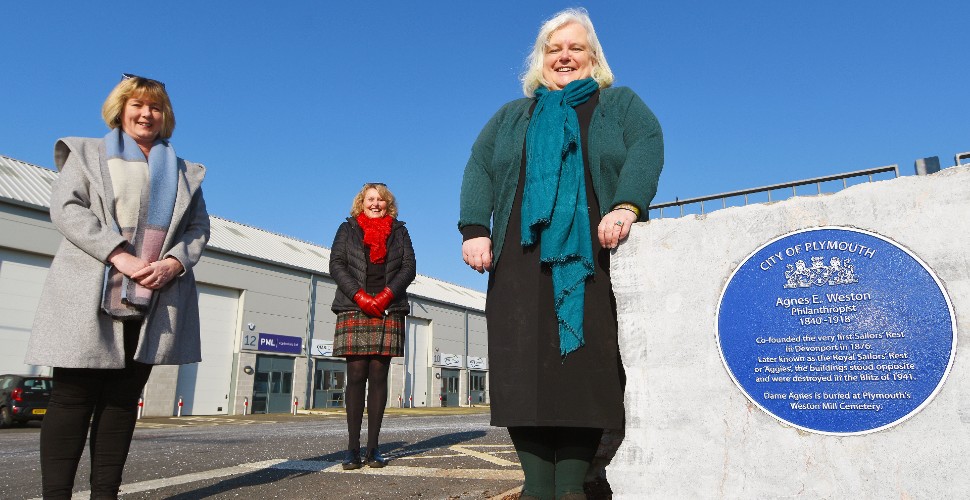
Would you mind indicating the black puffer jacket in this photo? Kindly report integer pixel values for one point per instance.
(348, 266)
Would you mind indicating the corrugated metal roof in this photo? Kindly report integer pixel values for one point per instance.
(25, 183)
(249, 241)
(28, 184)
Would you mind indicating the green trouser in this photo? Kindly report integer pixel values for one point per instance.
(554, 459)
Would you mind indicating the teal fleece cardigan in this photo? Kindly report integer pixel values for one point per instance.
(625, 155)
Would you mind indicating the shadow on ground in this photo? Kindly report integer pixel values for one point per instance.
(266, 476)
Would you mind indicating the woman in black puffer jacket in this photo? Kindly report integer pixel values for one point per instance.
(373, 263)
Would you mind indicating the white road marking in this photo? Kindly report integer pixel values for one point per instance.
(484, 456)
(425, 457)
(403, 470)
(191, 421)
(155, 484)
(335, 467)
(463, 451)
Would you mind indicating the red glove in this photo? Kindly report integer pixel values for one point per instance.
(367, 304)
(384, 299)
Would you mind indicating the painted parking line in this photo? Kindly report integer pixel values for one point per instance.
(467, 450)
(199, 422)
(404, 470)
(155, 484)
(508, 474)
(461, 451)
(314, 466)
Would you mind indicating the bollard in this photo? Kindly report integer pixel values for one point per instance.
(246, 406)
(296, 402)
(441, 401)
(410, 401)
(141, 407)
(180, 407)
(469, 401)
(400, 401)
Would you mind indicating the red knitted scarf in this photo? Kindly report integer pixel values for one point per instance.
(376, 232)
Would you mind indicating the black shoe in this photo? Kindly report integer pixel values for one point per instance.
(352, 460)
(374, 458)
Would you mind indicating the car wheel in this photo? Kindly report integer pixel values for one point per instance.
(6, 419)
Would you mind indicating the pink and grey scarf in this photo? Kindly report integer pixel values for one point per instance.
(144, 200)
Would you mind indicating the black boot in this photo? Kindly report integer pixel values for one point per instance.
(352, 460)
(374, 458)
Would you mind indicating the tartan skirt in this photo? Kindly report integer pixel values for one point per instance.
(358, 334)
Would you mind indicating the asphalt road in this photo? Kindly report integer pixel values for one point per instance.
(435, 453)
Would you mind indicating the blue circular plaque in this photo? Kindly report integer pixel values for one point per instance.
(836, 330)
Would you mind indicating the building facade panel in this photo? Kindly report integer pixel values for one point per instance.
(477, 335)
(29, 230)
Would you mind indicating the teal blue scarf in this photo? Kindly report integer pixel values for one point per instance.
(554, 208)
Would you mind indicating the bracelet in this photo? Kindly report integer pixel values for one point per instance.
(628, 206)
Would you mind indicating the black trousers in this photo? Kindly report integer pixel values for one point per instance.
(104, 400)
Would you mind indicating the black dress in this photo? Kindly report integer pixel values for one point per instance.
(531, 384)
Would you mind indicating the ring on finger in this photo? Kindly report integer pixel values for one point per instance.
(619, 223)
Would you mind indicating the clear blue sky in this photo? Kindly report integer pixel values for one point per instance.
(293, 105)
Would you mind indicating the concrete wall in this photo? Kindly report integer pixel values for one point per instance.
(244, 384)
(160, 399)
(691, 433)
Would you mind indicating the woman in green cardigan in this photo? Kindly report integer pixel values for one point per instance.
(554, 182)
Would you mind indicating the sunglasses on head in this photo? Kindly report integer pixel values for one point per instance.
(375, 184)
(129, 76)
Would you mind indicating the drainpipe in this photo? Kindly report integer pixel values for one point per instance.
(311, 315)
(468, 370)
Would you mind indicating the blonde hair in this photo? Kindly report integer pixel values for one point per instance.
(532, 76)
(137, 87)
(358, 205)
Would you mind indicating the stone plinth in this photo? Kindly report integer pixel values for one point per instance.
(691, 433)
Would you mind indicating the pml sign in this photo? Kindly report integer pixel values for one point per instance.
(280, 343)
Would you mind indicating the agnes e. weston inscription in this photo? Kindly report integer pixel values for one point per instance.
(836, 330)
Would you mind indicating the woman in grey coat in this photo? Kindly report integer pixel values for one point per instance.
(120, 295)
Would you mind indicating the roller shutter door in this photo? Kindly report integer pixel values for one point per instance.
(417, 362)
(204, 387)
(22, 278)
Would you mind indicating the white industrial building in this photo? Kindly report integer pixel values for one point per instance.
(267, 327)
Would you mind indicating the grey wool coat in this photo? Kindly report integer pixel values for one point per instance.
(70, 330)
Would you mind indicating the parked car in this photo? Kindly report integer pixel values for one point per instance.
(23, 398)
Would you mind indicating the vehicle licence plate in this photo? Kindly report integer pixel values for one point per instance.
(39, 412)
